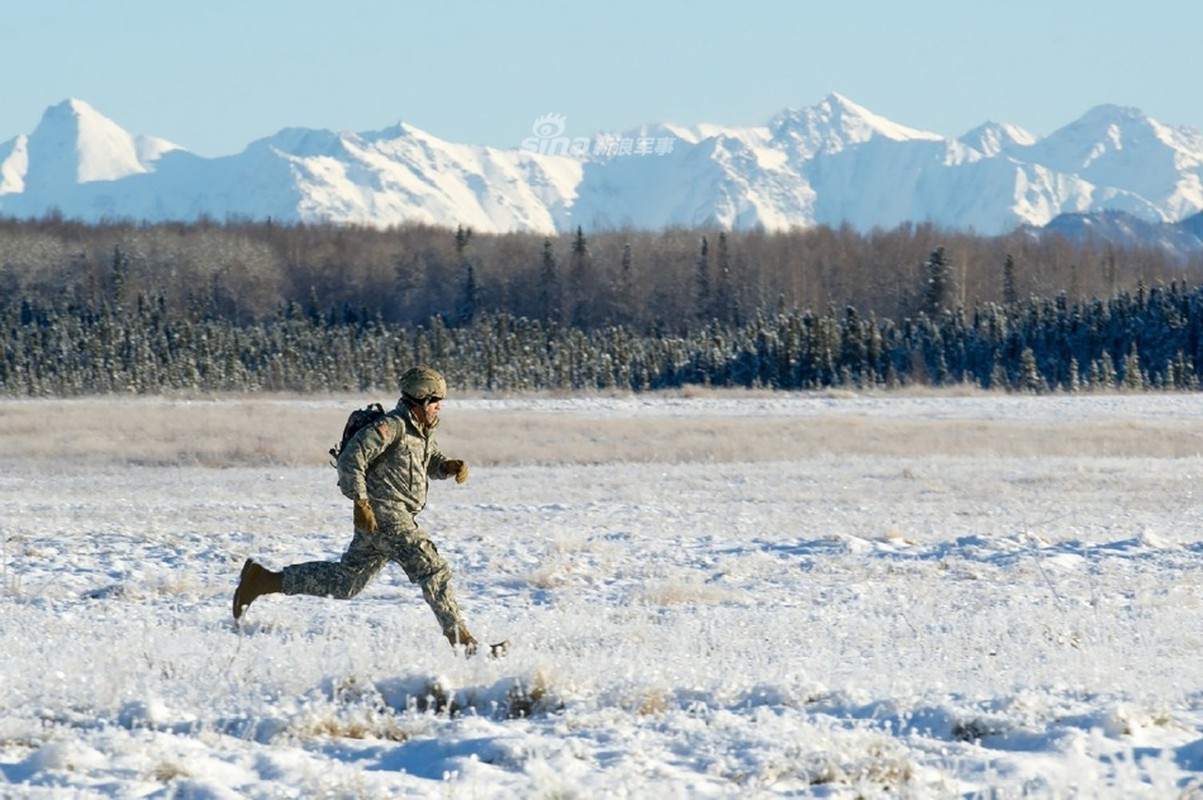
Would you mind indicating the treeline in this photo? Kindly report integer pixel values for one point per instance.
(676, 279)
(1149, 338)
(245, 307)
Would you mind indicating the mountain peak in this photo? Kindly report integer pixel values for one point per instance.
(1110, 112)
(74, 106)
(1110, 123)
(75, 143)
(855, 117)
(835, 124)
(837, 103)
(992, 138)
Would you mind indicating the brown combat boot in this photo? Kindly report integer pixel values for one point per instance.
(254, 582)
(459, 635)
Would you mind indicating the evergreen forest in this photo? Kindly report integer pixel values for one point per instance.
(258, 306)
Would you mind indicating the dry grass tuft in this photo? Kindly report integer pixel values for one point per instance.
(167, 771)
(682, 593)
(366, 726)
(437, 699)
(874, 771)
(525, 700)
(978, 728)
(356, 711)
(654, 704)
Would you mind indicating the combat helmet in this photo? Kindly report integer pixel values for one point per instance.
(421, 385)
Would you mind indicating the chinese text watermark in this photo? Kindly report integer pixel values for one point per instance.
(549, 139)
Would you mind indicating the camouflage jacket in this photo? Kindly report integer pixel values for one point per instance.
(391, 463)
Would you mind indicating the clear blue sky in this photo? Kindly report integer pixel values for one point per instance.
(213, 76)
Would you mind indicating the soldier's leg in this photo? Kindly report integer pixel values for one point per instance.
(342, 579)
(424, 566)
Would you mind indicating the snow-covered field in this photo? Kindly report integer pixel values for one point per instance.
(708, 596)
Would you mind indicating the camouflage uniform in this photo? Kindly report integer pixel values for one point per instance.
(390, 463)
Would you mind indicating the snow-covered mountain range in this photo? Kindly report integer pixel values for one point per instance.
(832, 163)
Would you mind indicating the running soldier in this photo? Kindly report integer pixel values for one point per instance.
(384, 469)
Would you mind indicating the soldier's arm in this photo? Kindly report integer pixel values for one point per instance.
(441, 468)
(434, 467)
(363, 449)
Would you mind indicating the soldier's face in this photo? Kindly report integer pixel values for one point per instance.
(431, 412)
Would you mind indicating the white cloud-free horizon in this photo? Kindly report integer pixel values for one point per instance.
(215, 75)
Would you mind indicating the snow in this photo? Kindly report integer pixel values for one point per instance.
(832, 163)
(98, 148)
(840, 596)
(993, 139)
(14, 163)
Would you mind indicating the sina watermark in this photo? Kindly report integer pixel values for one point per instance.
(549, 140)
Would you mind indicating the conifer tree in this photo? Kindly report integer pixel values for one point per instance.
(625, 290)
(469, 292)
(725, 302)
(939, 282)
(462, 237)
(550, 292)
(1030, 379)
(580, 288)
(701, 281)
(1133, 377)
(120, 274)
(468, 296)
(1010, 292)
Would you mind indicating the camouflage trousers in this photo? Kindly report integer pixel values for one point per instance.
(367, 554)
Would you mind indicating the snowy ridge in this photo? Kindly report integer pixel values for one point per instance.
(832, 163)
(14, 163)
(993, 138)
(1126, 230)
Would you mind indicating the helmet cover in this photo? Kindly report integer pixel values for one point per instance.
(423, 384)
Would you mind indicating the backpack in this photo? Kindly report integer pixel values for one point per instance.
(359, 419)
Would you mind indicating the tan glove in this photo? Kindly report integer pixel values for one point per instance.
(456, 467)
(365, 518)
